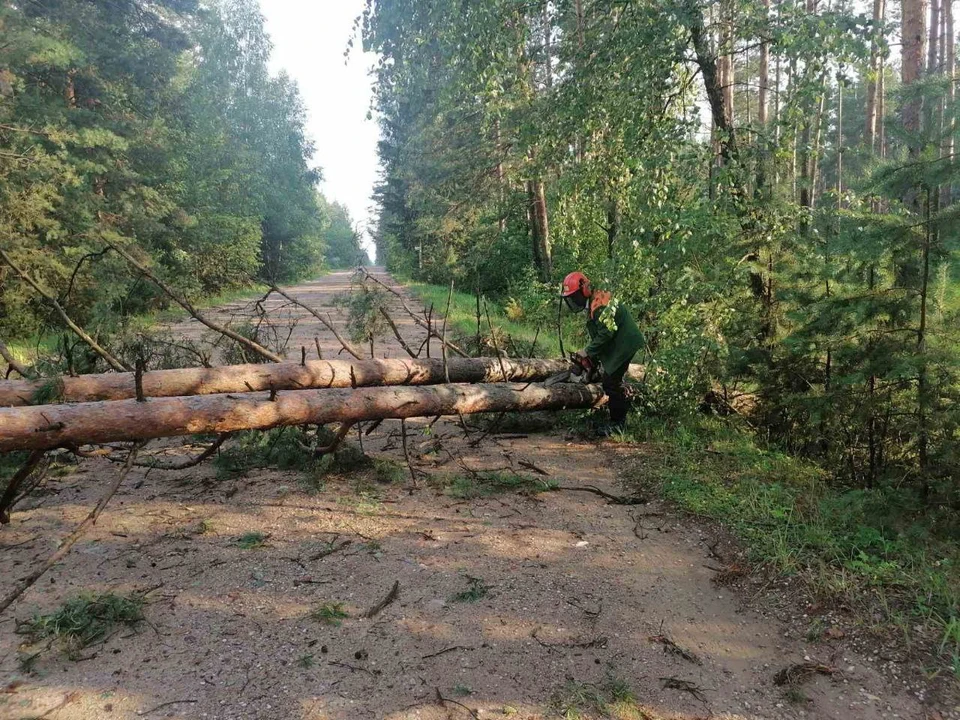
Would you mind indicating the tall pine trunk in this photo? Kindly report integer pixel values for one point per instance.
(912, 55)
(764, 79)
(873, 81)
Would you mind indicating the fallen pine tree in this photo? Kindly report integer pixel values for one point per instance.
(277, 376)
(71, 425)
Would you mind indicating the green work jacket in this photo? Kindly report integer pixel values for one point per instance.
(614, 335)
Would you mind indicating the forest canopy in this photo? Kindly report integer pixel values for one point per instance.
(153, 124)
(770, 184)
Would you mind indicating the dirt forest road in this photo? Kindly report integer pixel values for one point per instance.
(525, 606)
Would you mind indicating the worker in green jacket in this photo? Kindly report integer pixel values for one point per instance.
(614, 340)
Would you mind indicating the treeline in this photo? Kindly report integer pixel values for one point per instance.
(765, 181)
(154, 124)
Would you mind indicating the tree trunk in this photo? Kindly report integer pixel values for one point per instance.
(764, 79)
(873, 81)
(708, 63)
(547, 50)
(70, 90)
(540, 228)
(949, 68)
(933, 40)
(318, 374)
(51, 426)
(727, 57)
(912, 55)
(578, 6)
(613, 226)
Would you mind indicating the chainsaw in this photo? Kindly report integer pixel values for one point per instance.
(582, 370)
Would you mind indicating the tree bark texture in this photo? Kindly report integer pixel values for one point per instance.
(764, 80)
(912, 57)
(873, 81)
(316, 374)
(708, 63)
(540, 228)
(51, 426)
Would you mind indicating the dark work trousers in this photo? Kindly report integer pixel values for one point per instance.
(617, 402)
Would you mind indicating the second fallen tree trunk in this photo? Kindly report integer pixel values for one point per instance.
(279, 376)
(50, 426)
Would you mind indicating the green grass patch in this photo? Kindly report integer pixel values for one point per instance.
(476, 590)
(485, 484)
(251, 540)
(330, 614)
(84, 620)
(882, 545)
(613, 698)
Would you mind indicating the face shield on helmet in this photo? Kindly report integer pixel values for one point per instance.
(572, 291)
(576, 302)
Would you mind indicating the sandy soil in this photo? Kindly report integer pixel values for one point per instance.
(572, 591)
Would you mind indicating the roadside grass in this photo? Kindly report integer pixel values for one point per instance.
(84, 620)
(486, 484)
(612, 698)
(476, 590)
(330, 614)
(514, 337)
(881, 549)
(253, 540)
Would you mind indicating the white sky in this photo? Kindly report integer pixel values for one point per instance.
(309, 39)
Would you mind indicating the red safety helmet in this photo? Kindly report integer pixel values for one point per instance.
(573, 282)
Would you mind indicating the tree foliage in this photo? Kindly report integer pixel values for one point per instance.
(157, 124)
(782, 254)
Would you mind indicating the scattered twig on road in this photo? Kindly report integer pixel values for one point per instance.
(671, 647)
(391, 596)
(445, 651)
(441, 700)
(674, 683)
(597, 642)
(166, 704)
(72, 538)
(801, 672)
(530, 466)
(612, 499)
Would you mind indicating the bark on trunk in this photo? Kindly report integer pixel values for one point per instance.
(873, 82)
(912, 55)
(316, 374)
(949, 62)
(726, 57)
(707, 60)
(933, 42)
(51, 426)
(764, 80)
(540, 228)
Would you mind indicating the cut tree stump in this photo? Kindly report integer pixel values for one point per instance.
(281, 376)
(71, 425)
